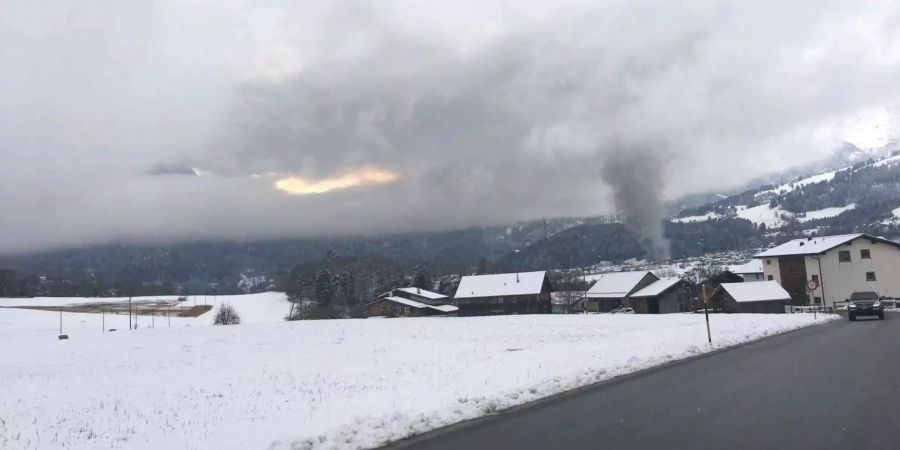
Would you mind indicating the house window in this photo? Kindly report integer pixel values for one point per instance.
(817, 300)
(870, 276)
(816, 279)
(865, 254)
(771, 278)
(844, 256)
(768, 262)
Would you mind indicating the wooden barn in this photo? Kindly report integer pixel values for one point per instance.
(505, 293)
(410, 302)
(712, 283)
(666, 295)
(766, 297)
(612, 289)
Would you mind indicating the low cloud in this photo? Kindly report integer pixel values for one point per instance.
(482, 114)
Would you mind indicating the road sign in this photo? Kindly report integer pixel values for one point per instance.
(812, 285)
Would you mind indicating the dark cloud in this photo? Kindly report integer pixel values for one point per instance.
(486, 117)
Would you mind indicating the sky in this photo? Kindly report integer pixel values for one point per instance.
(159, 121)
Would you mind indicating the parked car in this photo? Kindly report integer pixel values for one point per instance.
(864, 303)
(622, 310)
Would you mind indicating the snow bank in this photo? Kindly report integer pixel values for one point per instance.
(325, 384)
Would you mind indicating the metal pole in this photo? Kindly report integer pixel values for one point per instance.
(103, 320)
(821, 280)
(706, 312)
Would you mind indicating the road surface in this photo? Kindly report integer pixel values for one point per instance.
(835, 386)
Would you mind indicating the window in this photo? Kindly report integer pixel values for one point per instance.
(771, 278)
(768, 262)
(817, 300)
(816, 279)
(844, 256)
(865, 254)
(870, 276)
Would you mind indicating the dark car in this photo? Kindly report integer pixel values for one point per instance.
(864, 304)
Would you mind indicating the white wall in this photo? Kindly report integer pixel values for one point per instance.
(840, 279)
(771, 268)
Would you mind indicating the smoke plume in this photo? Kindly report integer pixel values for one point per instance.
(637, 182)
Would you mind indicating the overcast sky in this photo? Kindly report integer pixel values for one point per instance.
(324, 117)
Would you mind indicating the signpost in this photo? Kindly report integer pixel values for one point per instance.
(811, 287)
(706, 312)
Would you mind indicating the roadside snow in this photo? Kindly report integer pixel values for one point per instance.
(324, 384)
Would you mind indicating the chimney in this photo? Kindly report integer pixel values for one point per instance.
(418, 290)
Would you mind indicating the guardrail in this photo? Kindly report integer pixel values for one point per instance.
(791, 309)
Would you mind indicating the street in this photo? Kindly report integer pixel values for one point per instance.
(835, 386)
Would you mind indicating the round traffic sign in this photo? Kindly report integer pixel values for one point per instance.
(812, 285)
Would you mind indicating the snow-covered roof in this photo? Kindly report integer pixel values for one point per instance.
(755, 291)
(753, 266)
(817, 245)
(420, 305)
(422, 293)
(615, 284)
(657, 287)
(501, 284)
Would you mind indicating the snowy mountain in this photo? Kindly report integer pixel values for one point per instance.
(858, 197)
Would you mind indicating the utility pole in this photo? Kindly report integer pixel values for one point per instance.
(706, 312)
(129, 314)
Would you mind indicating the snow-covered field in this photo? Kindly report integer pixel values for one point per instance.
(323, 384)
(253, 308)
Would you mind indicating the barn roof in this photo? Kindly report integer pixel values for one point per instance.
(417, 291)
(657, 287)
(419, 305)
(616, 284)
(501, 284)
(817, 245)
(755, 291)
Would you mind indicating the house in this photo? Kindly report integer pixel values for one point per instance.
(666, 295)
(410, 302)
(712, 283)
(504, 293)
(612, 289)
(752, 297)
(825, 270)
(749, 271)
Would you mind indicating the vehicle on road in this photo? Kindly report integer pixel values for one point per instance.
(864, 303)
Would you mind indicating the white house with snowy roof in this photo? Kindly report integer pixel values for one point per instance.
(504, 293)
(749, 271)
(827, 269)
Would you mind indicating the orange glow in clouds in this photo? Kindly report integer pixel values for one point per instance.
(364, 176)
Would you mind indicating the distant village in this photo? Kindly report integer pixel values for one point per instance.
(802, 274)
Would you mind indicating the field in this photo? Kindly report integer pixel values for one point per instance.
(316, 385)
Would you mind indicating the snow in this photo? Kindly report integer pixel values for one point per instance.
(887, 161)
(657, 287)
(809, 246)
(422, 293)
(752, 266)
(756, 291)
(896, 213)
(615, 284)
(521, 283)
(826, 212)
(420, 305)
(325, 384)
(691, 219)
(253, 308)
(788, 187)
(763, 214)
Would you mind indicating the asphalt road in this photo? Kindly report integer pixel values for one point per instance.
(835, 386)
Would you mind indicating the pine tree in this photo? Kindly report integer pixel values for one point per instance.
(421, 278)
(324, 289)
